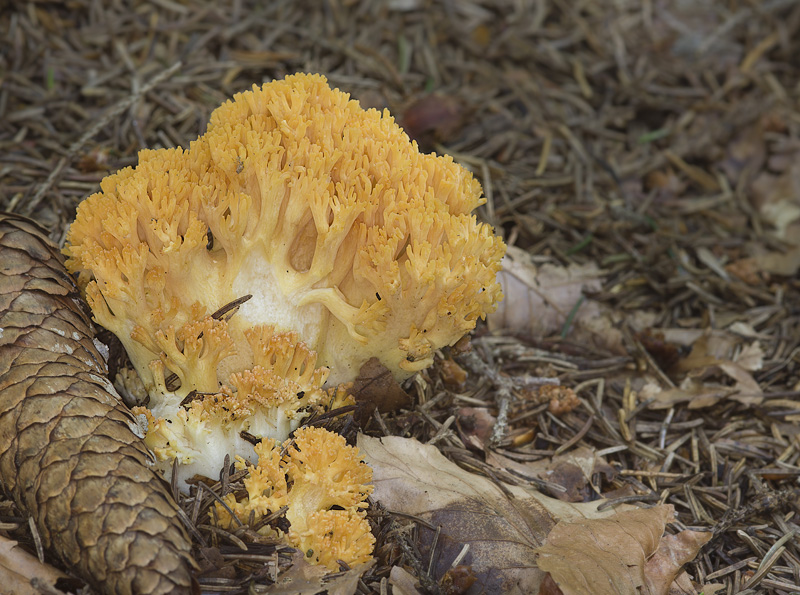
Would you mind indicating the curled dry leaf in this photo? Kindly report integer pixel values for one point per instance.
(540, 299)
(501, 527)
(620, 555)
(779, 263)
(777, 199)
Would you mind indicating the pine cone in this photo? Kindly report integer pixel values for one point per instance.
(71, 454)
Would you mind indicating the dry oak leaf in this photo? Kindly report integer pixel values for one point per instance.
(502, 532)
(539, 300)
(620, 555)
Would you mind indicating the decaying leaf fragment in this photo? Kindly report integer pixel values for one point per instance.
(71, 454)
(303, 578)
(719, 366)
(624, 554)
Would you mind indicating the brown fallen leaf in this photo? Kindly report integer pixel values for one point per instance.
(574, 470)
(718, 366)
(707, 346)
(571, 477)
(303, 578)
(777, 200)
(549, 586)
(475, 426)
(524, 469)
(376, 387)
(747, 270)
(785, 263)
(620, 555)
(664, 352)
(663, 567)
(501, 532)
(697, 394)
(453, 375)
(683, 586)
(539, 300)
(751, 358)
(434, 117)
(18, 568)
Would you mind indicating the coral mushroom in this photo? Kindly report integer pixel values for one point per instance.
(325, 495)
(297, 215)
(327, 214)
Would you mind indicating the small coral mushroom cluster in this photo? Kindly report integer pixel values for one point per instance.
(297, 238)
(324, 487)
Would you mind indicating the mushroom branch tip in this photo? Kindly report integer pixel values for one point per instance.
(324, 485)
(297, 238)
